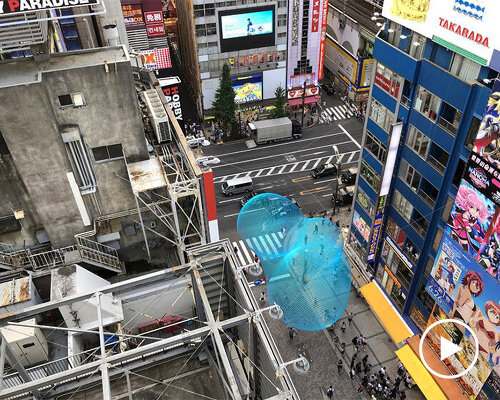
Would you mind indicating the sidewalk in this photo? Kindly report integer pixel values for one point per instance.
(323, 353)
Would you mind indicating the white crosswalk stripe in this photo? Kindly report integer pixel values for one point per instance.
(298, 166)
(338, 112)
(271, 242)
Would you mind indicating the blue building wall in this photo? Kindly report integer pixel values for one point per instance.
(468, 98)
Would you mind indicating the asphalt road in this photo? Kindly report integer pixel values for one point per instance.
(283, 168)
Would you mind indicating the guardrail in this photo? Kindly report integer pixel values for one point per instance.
(447, 126)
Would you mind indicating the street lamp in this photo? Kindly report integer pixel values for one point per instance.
(303, 100)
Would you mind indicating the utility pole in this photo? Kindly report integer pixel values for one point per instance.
(337, 176)
(303, 100)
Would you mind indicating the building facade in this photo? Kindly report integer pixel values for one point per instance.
(425, 110)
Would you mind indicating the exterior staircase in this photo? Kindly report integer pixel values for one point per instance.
(84, 251)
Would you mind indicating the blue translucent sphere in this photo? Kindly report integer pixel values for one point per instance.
(306, 270)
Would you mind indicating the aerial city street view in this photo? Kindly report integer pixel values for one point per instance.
(249, 199)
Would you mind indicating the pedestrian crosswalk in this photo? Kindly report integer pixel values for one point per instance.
(270, 244)
(347, 158)
(338, 112)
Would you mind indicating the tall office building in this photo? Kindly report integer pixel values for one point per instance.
(424, 216)
(266, 43)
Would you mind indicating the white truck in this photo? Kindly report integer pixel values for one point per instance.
(274, 130)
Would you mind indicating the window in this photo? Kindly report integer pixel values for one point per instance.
(78, 155)
(447, 208)
(209, 9)
(402, 205)
(282, 20)
(370, 176)
(395, 232)
(409, 175)
(72, 100)
(411, 251)
(105, 153)
(472, 132)
(427, 103)
(438, 158)
(457, 178)
(416, 46)
(425, 298)
(387, 80)
(375, 146)
(200, 30)
(198, 10)
(428, 193)
(381, 115)
(419, 223)
(398, 268)
(449, 118)
(281, 3)
(69, 31)
(464, 68)
(211, 29)
(437, 240)
(418, 142)
(405, 97)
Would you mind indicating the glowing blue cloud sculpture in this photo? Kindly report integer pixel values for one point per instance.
(306, 270)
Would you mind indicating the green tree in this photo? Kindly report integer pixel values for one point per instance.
(224, 105)
(279, 110)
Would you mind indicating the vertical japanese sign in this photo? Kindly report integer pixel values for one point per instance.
(295, 22)
(315, 17)
(154, 23)
(322, 45)
(132, 15)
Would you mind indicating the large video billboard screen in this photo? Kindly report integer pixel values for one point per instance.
(247, 88)
(246, 28)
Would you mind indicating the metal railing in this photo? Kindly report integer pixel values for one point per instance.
(405, 101)
(427, 199)
(447, 126)
(85, 249)
(436, 165)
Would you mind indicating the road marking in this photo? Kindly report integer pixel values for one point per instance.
(350, 158)
(279, 144)
(225, 164)
(326, 180)
(302, 179)
(231, 215)
(349, 136)
(313, 154)
(315, 190)
(227, 201)
(267, 187)
(283, 169)
(327, 195)
(246, 255)
(315, 164)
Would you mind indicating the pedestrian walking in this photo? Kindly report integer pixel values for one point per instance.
(364, 381)
(394, 392)
(305, 239)
(408, 382)
(360, 389)
(291, 332)
(340, 366)
(262, 297)
(283, 231)
(401, 368)
(337, 223)
(364, 342)
(350, 317)
(256, 258)
(235, 250)
(373, 378)
(343, 326)
(402, 396)
(359, 369)
(316, 228)
(365, 360)
(367, 368)
(342, 348)
(352, 373)
(352, 363)
(330, 392)
(336, 340)
(397, 382)
(354, 340)
(382, 372)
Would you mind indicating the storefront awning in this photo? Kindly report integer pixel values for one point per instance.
(419, 374)
(307, 100)
(393, 323)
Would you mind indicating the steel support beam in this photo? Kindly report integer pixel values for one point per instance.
(106, 386)
(116, 359)
(215, 327)
(142, 226)
(2, 361)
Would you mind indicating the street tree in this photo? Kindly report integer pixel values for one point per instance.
(224, 105)
(279, 110)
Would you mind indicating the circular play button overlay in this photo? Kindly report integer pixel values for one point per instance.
(449, 348)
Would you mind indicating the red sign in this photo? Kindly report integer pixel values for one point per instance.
(463, 31)
(155, 30)
(297, 93)
(322, 45)
(132, 14)
(383, 82)
(315, 15)
(153, 17)
(156, 58)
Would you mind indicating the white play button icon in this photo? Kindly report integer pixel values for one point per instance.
(448, 348)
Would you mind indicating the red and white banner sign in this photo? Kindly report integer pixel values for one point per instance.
(297, 93)
(153, 17)
(322, 46)
(174, 100)
(383, 82)
(316, 15)
(155, 29)
(156, 59)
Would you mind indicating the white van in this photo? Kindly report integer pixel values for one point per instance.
(236, 186)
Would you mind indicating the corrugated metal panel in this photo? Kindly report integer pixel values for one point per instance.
(138, 40)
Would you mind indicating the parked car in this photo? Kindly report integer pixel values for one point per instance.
(248, 196)
(197, 141)
(328, 88)
(345, 197)
(207, 160)
(324, 170)
(348, 178)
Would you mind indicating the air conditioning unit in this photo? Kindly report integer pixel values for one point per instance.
(159, 117)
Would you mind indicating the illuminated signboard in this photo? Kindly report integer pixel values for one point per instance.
(20, 6)
(155, 29)
(297, 93)
(247, 88)
(374, 237)
(132, 15)
(156, 59)
(322, 45)
(468, 25)
(153, 17)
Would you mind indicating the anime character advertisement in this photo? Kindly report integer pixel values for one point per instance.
(487, 143)
(475, 225)
(248, 92)
(474, 380)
